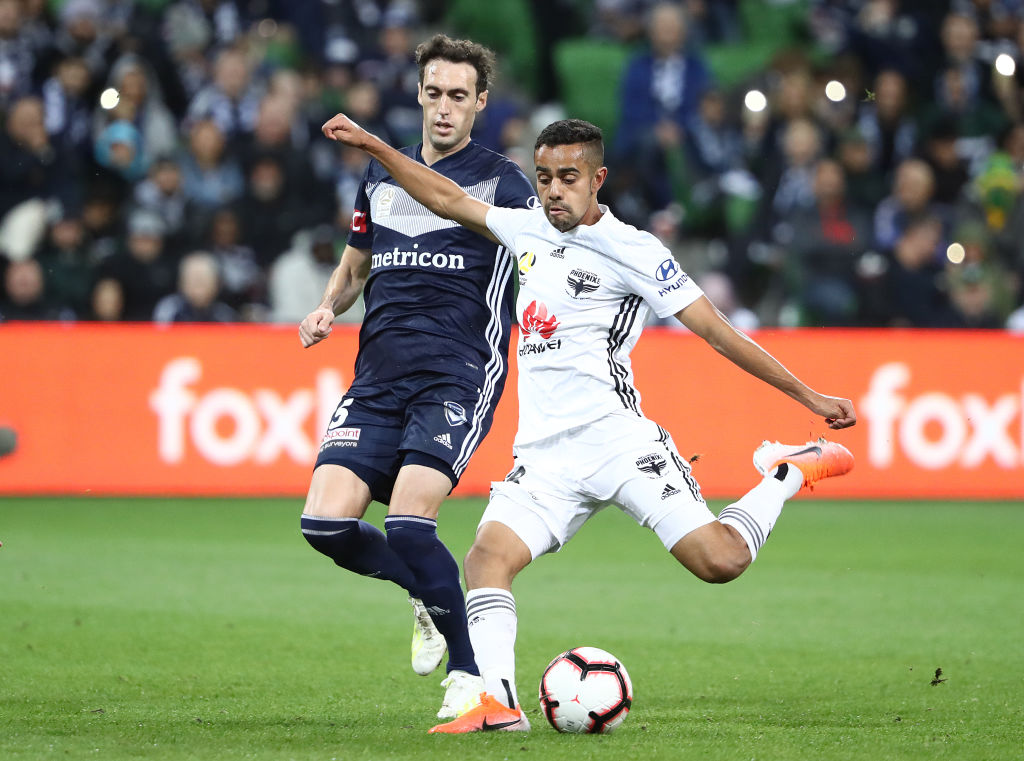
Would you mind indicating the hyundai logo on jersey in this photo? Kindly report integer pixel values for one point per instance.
(454, 413)
(667, 270)
(674, 286)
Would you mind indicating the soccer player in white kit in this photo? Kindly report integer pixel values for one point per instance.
(588, 283)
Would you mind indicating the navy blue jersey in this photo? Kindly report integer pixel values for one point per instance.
(439, 296)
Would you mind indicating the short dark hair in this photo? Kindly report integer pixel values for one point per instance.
(443, 47)
(573, 132)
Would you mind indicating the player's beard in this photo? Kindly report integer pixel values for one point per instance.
(563, 222)
(445, 143)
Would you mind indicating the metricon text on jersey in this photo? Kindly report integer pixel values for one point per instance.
(398, 258)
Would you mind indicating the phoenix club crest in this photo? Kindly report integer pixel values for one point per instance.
(653, 465)
(581, 283)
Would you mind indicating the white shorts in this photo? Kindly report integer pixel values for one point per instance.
(558, 483)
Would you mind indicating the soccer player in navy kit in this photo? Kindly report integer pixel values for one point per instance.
(431, 365)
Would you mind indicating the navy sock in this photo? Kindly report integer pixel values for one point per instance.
(358, 546)
(437, 577)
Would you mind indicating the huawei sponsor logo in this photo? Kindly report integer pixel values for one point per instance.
(537, 323)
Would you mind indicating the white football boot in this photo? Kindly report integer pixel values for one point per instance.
(428, 645)
(462, 692)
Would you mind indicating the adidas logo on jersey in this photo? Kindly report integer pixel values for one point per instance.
(669, 491)
(444, 439)
(558, 253)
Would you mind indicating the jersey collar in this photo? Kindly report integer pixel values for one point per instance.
(450, 157)
(581, 230)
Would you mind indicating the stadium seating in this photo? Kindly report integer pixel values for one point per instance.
(773, 21)
(507, 28)
(589, 73)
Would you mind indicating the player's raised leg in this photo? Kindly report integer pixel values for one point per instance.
(721, 551)
(786, 468)
(411, 528)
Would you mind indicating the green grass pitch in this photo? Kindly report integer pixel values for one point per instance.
(207, 629)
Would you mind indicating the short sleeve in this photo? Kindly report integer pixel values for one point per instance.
(507, 223)
(514, 190)
(661, 282)
(360, 233)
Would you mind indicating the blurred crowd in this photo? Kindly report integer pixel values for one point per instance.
(161, 159)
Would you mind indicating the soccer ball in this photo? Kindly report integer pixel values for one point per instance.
(585, 690)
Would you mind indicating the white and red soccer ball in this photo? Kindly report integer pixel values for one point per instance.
(585, 690)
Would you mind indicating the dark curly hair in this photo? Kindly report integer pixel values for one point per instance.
(443, 47)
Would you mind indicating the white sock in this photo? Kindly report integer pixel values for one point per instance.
(756, 512)
(491, 614)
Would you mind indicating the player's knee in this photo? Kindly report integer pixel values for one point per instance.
(318, 543)
(487, 564)
(722, 567)
(479, 557)
(416, 542)
(713, 553)
(332, 538)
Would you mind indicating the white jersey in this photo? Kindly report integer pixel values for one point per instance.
(584, 298)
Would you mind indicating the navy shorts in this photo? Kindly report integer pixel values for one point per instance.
(425, 419)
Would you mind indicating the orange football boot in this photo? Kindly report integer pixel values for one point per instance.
(489, 715)
(815, 459)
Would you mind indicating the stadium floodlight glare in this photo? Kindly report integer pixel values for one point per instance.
(1005, 64)
(755, 101)
(955, 253)
(109, 98)
(835, 91)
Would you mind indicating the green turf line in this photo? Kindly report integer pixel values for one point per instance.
(208, 629)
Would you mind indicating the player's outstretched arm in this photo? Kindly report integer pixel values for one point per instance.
(704, 319)
(343, 288)
(435, 191)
